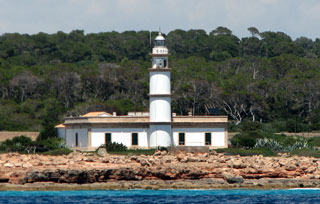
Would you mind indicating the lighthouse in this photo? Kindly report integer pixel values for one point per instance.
(160, 134)
(156, 128)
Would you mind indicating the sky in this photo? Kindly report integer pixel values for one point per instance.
(294, 17)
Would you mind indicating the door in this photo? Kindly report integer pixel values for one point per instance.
(208, 138)
(134, 139)
(181, 138)
(107, 139)
(77, 140)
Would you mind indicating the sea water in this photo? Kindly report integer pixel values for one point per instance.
(163, 196)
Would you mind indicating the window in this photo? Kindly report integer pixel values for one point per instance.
(181, 138)
(165, 63)
(107, 139)
(77, 140)
(208, 138)
(134, 139)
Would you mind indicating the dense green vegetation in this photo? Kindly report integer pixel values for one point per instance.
(115, 147)
(266, 77)
(257, 138)
(119, 148)
(24, 145)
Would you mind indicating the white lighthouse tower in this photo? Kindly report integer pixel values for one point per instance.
(160, 96)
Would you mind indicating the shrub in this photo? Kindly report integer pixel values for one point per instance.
(52, 143)
(115, 147)
(249, 126)
(163, 149)
(57, 152)
(250, 132)
(247, 140)
(24, 144)
(269, 144)
(314, 141)
(246, 152)
(16, 144)
(293, 125)
(279, 125)
(276, 146)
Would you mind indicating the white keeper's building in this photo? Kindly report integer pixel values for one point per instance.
(158, 128)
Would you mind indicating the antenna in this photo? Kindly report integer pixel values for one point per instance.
(150, 37)
(159, 29)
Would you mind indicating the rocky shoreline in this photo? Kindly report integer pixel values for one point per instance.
(158, 171)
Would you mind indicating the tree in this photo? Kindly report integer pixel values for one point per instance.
(24, 86)
(253, 31)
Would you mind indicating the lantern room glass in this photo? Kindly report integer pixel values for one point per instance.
(160, 43)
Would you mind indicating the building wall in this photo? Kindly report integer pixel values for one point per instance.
(82, 137)
(119, 135)
(61, 132)
(196, 136)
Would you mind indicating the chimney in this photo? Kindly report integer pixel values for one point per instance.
(114, 113)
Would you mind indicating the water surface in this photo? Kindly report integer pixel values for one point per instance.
(163, 196)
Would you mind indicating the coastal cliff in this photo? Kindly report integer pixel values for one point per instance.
(161, 170)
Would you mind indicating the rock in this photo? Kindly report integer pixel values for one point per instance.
(102, 152)
(290, 167)
(251, 170)
(192, 159)
(144, 163)
(230, 178)
(239, 165)
(27, 165)
(26, 159)
(8, 165)
(311, 170)
(89, 160)
(157, 153)
(163, 153)
(181, 157)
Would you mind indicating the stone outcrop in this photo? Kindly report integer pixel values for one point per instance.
(81, 168)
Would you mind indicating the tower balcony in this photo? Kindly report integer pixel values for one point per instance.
(160, 50)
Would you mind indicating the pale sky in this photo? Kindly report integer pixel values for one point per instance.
(294, 17)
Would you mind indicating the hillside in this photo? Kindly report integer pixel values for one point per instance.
(266, 77)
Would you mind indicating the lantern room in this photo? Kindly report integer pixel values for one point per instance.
(160, 53)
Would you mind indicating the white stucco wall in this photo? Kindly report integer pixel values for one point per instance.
(82, 137)
(61, 133)
(119, 135)
(160, 109)
(218, 138)
(196, 136)
(160, 83)
(160, 135)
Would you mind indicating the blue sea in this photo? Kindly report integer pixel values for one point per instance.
(163, 196)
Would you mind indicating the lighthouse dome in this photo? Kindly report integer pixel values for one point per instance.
(160, 40)
(160, 37)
